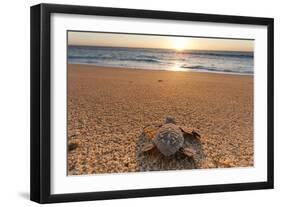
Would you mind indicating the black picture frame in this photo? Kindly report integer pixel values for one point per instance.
(41, 99)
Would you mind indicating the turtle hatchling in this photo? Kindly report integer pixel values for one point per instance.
(168, 138)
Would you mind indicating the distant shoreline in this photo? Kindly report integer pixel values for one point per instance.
(153, 69)
(162, 59)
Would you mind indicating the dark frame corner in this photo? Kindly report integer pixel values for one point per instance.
(40, 102)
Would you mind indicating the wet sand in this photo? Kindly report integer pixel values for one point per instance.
(108, 108)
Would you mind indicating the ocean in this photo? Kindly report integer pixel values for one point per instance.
(164, 59)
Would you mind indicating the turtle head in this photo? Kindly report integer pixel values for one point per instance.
(170, 120)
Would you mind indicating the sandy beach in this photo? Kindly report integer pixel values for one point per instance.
(108, 108)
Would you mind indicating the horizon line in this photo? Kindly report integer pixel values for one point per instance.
(159, 48)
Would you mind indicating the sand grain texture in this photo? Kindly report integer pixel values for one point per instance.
(108, 107)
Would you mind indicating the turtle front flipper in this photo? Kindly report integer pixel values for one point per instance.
(190, 132)
(195, 134)
(190, 153)
(147, 147)
(150, 131)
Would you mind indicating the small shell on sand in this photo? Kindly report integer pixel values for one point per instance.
(73, 144)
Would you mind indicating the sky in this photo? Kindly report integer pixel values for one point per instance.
(153, 41)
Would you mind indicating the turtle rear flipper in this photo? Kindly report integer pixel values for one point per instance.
(188, 152)
(147, 147)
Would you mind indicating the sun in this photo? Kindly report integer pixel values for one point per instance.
(179, 44)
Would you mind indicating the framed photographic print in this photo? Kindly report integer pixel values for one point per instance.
(132, 103)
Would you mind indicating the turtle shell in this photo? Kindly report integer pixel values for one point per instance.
(169, 139)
